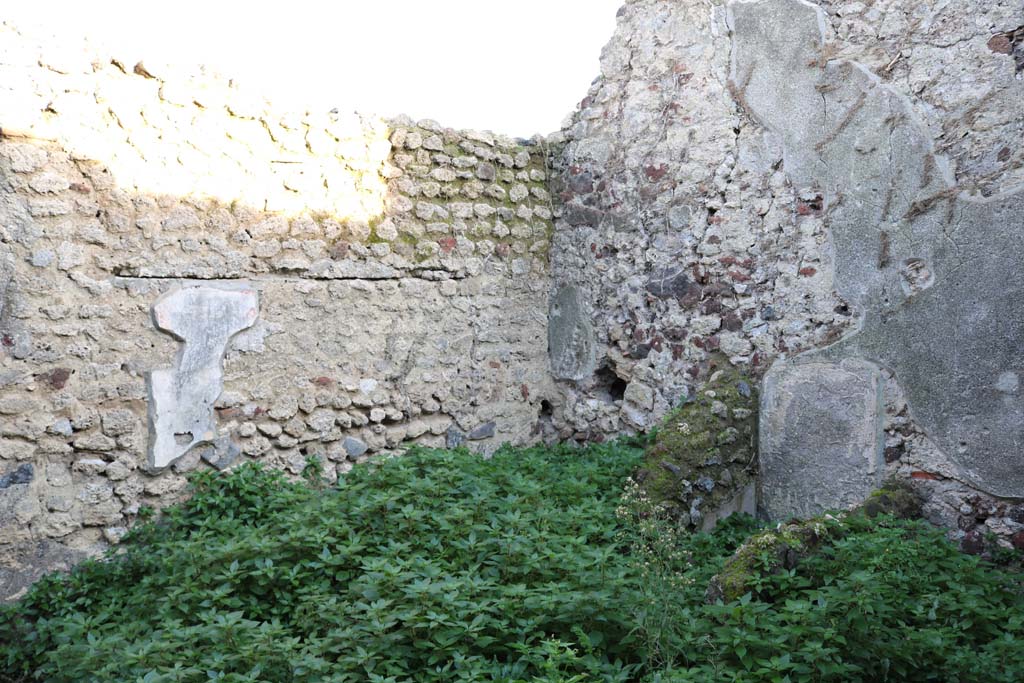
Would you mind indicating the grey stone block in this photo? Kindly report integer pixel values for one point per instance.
(354, 447)
(484, 431)
(453, 438)
(745, 502)
(25, 563)
(221, 453)
(22, 474)
(570, 335)
(671, 283)
(821, 439)
(19, 507)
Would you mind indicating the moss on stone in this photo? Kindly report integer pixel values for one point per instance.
(895, 498)
(770, 552)
(705, 451)
(373, 223)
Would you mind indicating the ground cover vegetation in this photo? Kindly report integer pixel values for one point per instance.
(539, 564)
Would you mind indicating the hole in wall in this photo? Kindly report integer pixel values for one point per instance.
(545, 425)
(608, 386)
(547, 411)
(183, 438)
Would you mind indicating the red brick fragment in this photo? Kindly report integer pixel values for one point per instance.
(655, 173)
(57, 379)
(810, 207)
(1000, 44)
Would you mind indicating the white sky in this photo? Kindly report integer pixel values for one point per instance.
(516, 67)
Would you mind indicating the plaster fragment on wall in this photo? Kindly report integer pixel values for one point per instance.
(181, 399)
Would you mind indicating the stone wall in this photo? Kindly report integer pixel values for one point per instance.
(827, 195)
(333, 285)
(814, 187)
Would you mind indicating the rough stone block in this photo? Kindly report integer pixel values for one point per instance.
(484, 431)
(221, 453)
(354, 447)
(19, 506)
(821, 439)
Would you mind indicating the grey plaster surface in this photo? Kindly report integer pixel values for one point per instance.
(13, 338)
(745, 502)
(570, 335)
(820, 437)
(181, 402)
(6, 276)
(933, 273)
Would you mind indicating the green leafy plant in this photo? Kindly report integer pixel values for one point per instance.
(881, 599)
(435, 566)
(534, 565)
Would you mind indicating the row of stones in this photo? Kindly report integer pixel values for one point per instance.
(159, 233)
(162, 220)
(190, 129)
(61, 193)
(92, 457)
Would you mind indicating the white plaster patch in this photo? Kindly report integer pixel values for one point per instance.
(181, 399)
(1008, 382)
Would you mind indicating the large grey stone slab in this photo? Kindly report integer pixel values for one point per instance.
(25, 563)
(821, 439)
(744, 502)
(16, 341)
(571, 344)
(182, 398)
(19, 505)
(933, 273)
